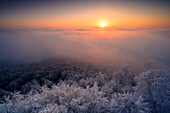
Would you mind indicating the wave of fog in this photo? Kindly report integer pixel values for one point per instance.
(118, 46)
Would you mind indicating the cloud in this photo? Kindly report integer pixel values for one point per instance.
(118, 46)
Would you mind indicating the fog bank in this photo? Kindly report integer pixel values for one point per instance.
(116, 46)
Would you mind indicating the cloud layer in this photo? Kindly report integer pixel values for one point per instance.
(96, 46)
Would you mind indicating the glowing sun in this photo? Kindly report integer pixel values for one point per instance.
(102, 24)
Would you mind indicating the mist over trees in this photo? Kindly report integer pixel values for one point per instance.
(137, 47)
(66, 87)
(84, 56)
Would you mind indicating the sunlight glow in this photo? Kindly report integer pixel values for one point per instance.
(102, 24)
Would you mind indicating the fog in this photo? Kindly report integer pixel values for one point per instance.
(112, 46)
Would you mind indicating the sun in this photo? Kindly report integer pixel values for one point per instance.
(102, 24)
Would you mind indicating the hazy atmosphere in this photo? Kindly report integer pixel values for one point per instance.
(113, 46)
(85, 56)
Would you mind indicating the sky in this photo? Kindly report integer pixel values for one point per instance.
(115, 32)
(84, 14)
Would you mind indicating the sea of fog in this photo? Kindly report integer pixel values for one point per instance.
(138, 47)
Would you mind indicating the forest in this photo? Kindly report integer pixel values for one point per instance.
(52, 86)
(84, 56)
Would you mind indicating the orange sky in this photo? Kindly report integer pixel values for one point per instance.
(87, 14)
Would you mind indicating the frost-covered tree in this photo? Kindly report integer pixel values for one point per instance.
(62, 96)
(128, 103)
(57, 87)
(124, 76)
(154, 86)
